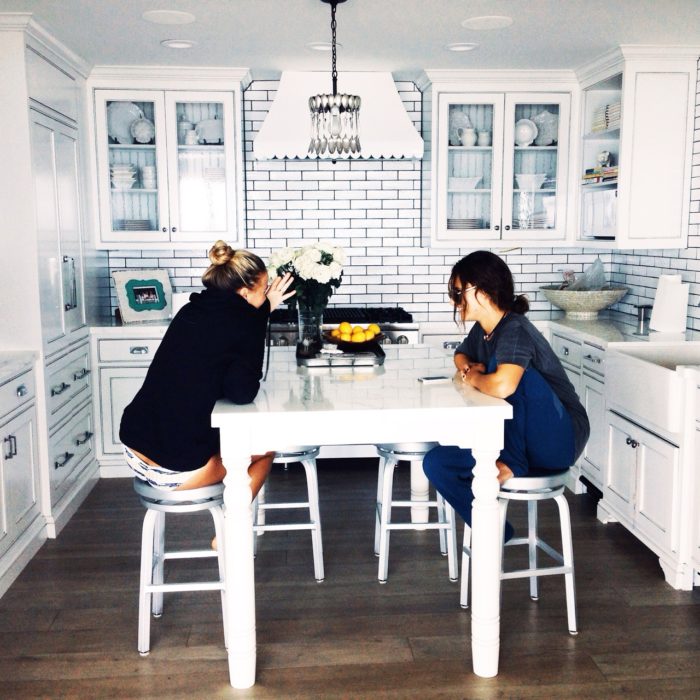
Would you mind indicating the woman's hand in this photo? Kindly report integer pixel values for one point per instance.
(277, 291)
(472, 368)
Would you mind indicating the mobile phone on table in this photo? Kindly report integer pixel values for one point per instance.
(435, 379)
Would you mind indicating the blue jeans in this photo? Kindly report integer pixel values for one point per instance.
(540, 435)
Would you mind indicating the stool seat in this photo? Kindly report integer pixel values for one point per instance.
(390, 454)
(159, 502)
(537, 485)
(306, 455)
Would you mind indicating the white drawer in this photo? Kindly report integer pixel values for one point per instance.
(593, 358)
(697, 404)
(16, 392)
(68, 378)
(567, 350)
(136, 350)
(68, 447)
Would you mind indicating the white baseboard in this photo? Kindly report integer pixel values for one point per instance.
(71, 501)
(21, 552)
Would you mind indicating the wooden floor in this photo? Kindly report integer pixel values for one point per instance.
(68, 624)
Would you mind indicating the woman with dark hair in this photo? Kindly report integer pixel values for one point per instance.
(505, 356)
(213, 349)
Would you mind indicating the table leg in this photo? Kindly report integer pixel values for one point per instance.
(240, 575)
(420, 491)
(486, 564)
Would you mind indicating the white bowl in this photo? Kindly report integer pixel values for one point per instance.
(583, 305)
(530, 182)
(463, 183)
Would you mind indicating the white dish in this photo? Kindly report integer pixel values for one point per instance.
(142, 130)
(461, 184)
(120, 115)
(525, 132)
(530, 182)
(547, 128)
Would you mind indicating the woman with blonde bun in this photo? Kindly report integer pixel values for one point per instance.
(213, 349)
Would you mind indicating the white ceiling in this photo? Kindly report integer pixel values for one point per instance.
(402, 36)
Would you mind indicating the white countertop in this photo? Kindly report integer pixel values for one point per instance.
(14, 363)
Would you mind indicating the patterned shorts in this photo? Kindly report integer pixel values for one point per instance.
(159, 477)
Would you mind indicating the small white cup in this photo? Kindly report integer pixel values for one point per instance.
(484, 138)
(191, 138)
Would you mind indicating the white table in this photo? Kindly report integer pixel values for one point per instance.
(298, 406)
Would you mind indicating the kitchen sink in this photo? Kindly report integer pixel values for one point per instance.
(642, 382)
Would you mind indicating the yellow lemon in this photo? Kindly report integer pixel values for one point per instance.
(345, 327)
(358, 336)
(345, 337)
(357, 329)
(335, 333)
(374, 328)
(369, 335)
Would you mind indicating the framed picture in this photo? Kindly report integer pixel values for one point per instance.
(143, 295)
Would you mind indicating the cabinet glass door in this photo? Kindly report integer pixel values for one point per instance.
(534, 177)
(200, 165)
(470, 180)
(131, 139)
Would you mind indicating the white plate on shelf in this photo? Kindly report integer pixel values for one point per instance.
(120, 116)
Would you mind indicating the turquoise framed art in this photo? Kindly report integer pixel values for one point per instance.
(143, 295)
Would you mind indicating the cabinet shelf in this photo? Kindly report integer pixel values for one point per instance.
(542, 190)
(474, 191)
(592, 185)
(199, 147)
(607, 135)
(133, 190)
(132, 146)
(469, 148)
(536, 148)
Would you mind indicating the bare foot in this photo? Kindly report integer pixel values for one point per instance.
(504, 472)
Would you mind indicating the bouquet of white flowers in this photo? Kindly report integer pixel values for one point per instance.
(317, 269)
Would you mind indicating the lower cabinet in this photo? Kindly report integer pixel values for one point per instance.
(592, 393)
(22, 527)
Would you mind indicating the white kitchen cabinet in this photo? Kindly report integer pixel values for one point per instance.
(493, 182)
(177, 179)
(638, 108)
(592, 395)
(641, 485)
(569, 349)
(55, 170)
(22, 529)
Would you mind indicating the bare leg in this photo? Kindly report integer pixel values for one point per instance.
(504, 471)
(211, 473)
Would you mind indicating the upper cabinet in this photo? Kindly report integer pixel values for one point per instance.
(169, 166)
(637, 113)
(500, 166)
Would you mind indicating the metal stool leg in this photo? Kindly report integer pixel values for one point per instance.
(385, 519)
(532, 546)
(466, 571)
(378, 509)
(147, 546)
(442, 518)
(315, 516)
(451, 542)
(568, 556)
(158, 563)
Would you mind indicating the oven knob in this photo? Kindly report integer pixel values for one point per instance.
(402, 340)
(283, 341)
(386, 340)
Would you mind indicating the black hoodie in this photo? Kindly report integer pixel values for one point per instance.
(213, 349)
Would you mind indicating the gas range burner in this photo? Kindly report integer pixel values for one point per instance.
(352, 314)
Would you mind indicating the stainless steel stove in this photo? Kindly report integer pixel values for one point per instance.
(397, 324)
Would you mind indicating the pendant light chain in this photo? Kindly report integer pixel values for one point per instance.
(334, 72)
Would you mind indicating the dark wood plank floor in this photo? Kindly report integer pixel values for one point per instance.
(68, 625)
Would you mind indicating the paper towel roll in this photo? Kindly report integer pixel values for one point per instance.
(670, 311)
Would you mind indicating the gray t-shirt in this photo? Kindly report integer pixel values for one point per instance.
(516, 341)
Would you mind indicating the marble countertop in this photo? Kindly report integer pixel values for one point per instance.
(15, 363)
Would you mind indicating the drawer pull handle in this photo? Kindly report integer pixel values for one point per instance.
(451, 344)
(11, 441)
(139, 350)
(67, 456)
(79, 375)
(592, 358)
(565, 351)
(22, 391)
(57, 390)
(82, 440)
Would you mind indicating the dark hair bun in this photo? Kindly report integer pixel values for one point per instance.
(520, 304)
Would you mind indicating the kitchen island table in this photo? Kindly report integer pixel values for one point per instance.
(365, 406)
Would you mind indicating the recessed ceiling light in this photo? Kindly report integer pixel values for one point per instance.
(461, 46)
(322, 45)
(487, 22)
(168, 17)
(178, 43)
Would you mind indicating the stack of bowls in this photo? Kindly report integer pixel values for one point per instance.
(123, 176)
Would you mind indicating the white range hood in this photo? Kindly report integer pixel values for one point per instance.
(386, 130)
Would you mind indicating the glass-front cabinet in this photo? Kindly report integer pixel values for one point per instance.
(501, 167)
(167, 166)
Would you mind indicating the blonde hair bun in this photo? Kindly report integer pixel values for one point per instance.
(221, 253)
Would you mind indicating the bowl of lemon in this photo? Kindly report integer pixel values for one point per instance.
(347, 334)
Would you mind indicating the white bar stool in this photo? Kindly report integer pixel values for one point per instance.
(158, 502)
(539, 485)
(390, 454)
(307, 456)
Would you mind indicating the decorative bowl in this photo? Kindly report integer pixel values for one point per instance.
(525, 132)
(143, 130)
(530, 182)
(583, 305)
(547, 128)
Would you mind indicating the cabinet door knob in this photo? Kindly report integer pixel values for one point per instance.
(507, 227)
(164, 229)
(174, 229)
(496, 228)
(138, 350)
(565, 351)
(22, 391)
(57, 390)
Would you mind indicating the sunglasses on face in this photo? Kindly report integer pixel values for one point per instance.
(457, 293)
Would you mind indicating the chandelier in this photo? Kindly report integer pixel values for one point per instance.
(335, 119)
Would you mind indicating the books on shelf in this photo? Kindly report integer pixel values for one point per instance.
(606, 117)
(594, 175)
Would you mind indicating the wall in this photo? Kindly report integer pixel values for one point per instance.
(373, 209)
